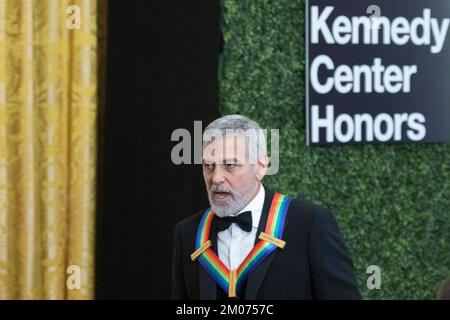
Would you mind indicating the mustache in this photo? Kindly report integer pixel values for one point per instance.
(217, 188)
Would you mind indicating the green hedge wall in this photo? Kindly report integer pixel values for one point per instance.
(392, 202)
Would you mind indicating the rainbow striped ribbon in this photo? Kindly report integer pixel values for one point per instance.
(232, 280)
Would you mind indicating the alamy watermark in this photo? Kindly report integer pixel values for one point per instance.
(73, 281)
(374, 280)
(248, 145)
(73, 21)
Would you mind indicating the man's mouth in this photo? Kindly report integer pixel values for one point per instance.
(220, 196)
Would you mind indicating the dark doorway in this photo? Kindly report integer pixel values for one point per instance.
(161, 75)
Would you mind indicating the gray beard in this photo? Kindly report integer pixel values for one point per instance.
(238, 202)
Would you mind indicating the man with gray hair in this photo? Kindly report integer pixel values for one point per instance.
(253, 243)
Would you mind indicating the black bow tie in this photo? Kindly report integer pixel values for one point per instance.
(243, 220)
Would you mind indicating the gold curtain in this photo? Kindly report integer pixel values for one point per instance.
(49, 108)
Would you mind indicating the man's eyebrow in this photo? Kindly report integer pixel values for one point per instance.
(231, 160)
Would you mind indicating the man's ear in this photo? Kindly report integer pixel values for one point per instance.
(261, 167)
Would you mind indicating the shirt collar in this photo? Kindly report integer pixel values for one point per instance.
(256, 206)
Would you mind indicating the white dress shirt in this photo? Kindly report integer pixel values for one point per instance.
(234, 244)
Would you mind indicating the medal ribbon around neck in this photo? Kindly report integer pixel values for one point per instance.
(270, 239)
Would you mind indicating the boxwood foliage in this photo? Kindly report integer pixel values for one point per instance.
(392, 202)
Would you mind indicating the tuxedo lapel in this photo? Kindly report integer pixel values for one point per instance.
(257, 276)
(208, 287)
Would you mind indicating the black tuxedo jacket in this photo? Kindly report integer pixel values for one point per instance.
(314, 264)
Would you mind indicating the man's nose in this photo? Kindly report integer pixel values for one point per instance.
(218, 176)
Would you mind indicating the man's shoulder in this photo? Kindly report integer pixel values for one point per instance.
(307, 207)
(306, 211)
(190, 223)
